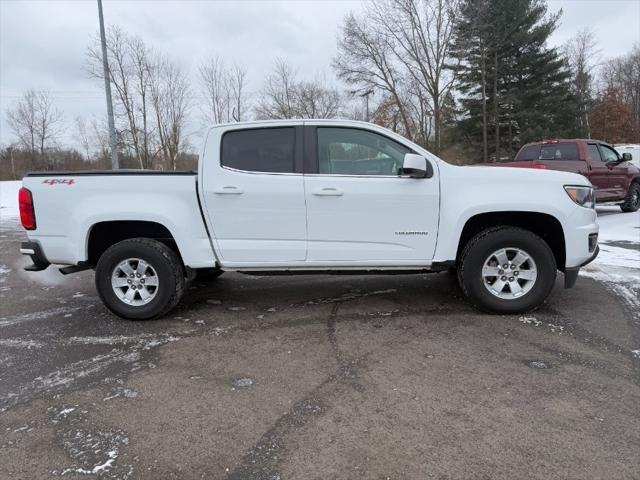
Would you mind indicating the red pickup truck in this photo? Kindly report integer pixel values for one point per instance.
(615, 178)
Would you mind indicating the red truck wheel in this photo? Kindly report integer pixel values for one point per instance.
(632, 200)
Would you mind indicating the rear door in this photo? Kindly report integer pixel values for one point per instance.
(254, 194)
(358, 209)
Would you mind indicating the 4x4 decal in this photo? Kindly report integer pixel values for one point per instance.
(59, 181)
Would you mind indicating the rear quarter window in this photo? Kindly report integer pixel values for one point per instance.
(267, 150)
(559, 151)
(528, 153)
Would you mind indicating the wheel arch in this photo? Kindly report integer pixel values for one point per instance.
(102, 235)
(544, 225)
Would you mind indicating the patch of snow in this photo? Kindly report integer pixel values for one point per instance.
(617, 266)
(13, 320)
(16, 343)
(9, 200)
(4, 272)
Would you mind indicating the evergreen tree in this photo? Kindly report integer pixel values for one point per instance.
(513, 87)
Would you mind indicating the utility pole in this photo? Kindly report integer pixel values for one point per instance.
(107, 87)
(366, 100)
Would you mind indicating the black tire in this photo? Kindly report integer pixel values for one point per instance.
(165, 262)
(632, 200)
(208, 274)
(489, 241)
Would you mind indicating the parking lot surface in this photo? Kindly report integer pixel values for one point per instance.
(314, 377)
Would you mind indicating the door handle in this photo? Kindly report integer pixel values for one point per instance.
(228, 190)
(329, 192)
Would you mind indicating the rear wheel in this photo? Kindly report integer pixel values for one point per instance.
(140, 278)
(632, 200)
(507, 270)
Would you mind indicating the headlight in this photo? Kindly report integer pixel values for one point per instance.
(583, 196)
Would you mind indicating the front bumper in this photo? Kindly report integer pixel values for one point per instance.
(571, 274)
(34, 250)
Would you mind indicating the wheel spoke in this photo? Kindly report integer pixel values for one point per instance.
(130, 294)
(151, 281)
(527, 274)
(144, 294)
(515, 288)
(120, 282)
(498, 285)
(488, 271)
(519, 259)
(501, 256)
(142, 267)
(127, 268)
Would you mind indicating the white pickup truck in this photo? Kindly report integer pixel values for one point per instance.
(311, 196)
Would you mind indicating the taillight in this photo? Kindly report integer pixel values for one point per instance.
(540, 167)
(27, 212)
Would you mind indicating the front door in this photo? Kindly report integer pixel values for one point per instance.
(358, 209)
(254, 195)
(617, 174)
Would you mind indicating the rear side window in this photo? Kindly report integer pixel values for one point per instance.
(559, 151)
(593, 153)
(528, 153)
(269, 150)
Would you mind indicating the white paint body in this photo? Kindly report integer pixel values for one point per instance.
(308, 222)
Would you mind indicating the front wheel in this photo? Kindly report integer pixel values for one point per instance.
(632, 200)
(507, 270)
(140, 278)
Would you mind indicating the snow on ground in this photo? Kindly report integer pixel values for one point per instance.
(618, 264)
(9, 199)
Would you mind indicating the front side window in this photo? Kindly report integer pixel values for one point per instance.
(269, 150)
(608, 154)
(593, 153)
(351, 151)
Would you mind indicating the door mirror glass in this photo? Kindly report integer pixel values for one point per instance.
(414, 166)
(627, 157)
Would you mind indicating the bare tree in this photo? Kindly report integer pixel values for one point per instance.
(365, 59)
(35, 121)
(129, 73)
(215, 85)
(82, 135)
(623, 74)
(171, 99)
(284, 96)
(237, 81)
(401, 47)
(582, 55)
(420, 33)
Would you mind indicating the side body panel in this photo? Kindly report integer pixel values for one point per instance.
(66, 212)
(470, 191)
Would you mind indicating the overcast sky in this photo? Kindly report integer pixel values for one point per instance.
(43, 43)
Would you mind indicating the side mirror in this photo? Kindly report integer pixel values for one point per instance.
(626, 157)
(414, 166)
